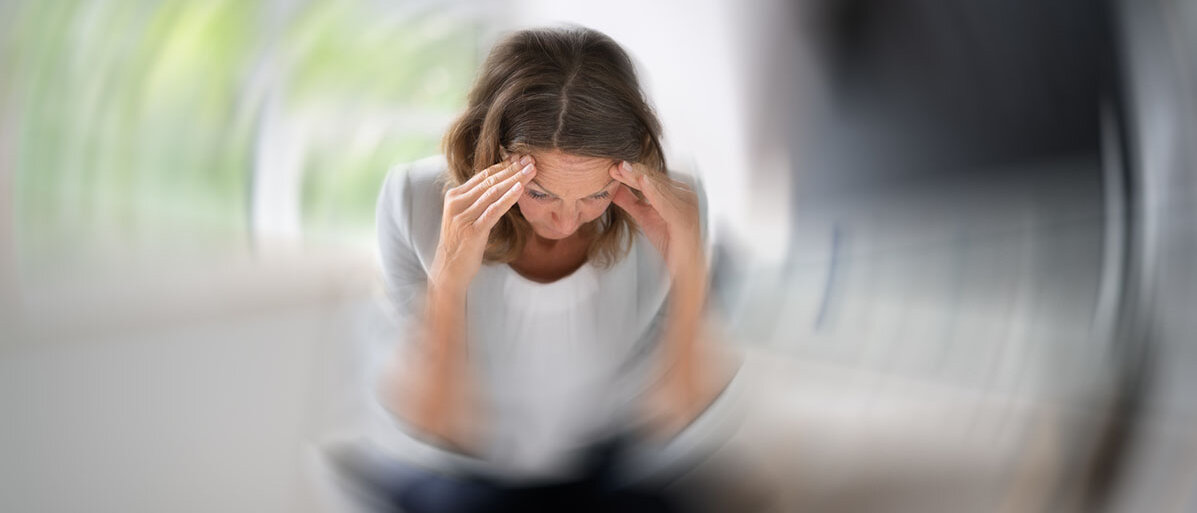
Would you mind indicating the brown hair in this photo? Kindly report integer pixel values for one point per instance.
(570, 89)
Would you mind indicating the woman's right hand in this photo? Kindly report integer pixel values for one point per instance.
(470, 212)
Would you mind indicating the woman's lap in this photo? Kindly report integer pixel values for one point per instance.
(434, 493)
(411, 489)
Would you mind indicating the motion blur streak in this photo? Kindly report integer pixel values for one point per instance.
(956, 243)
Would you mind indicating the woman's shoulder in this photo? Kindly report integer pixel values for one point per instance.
(421, 178)
(411, 202)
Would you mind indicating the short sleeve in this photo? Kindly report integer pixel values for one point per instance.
(404, 278)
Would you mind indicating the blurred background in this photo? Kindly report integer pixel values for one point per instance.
(956, 241)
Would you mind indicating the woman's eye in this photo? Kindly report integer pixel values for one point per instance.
(537, 195)
(601, 195)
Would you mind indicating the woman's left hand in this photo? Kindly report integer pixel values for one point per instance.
(668, 217)
(691, 373)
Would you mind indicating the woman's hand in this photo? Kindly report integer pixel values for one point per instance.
(669, 217)
(692, 371)
(471, 210)
(432, 388)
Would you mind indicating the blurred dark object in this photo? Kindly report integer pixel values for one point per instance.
(935, 85)
(1046, 145)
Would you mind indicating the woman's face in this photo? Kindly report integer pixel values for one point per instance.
(568, 191)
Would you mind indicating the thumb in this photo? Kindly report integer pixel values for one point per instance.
(626, 200)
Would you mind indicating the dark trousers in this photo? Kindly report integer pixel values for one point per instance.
(395, 486)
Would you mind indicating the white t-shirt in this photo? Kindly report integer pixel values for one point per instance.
(559, 365)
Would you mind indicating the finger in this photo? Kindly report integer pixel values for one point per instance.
(649, 188)
(469, 197)
(663, 196)
(624, 174)
(481, 175)
(628, 174)
(459, 198)
(485, 199)
(515, 166)
(491, 215)
(625, 199)
(638, 178)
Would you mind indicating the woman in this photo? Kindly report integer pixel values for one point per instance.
(551, 278)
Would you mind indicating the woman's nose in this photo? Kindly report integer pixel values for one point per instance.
(567, 220)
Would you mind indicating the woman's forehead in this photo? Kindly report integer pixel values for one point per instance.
(572, 176)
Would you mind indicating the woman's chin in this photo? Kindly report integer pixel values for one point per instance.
(551, 235)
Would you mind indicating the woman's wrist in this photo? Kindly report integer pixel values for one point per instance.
(445, 290)
(445, 318)
(442, 280)
(691, 270)
(687, 304)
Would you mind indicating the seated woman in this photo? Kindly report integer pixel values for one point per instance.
(551, 278)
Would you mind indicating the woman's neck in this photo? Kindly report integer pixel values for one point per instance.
(547, 260)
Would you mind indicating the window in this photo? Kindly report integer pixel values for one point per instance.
(140, 131)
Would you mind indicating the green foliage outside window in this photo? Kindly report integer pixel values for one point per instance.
(135, 128)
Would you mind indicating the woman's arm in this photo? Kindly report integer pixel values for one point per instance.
(691, 377)
(428, 383)
(689, 380)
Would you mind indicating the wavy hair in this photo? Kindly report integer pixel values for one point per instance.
(570, 89)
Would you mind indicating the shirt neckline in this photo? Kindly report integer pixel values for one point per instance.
(587, 267)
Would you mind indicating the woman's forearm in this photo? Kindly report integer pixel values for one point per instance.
(684, 318)
(686, 384)
(432, 387)
(434, 392)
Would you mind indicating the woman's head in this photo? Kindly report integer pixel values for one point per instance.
(570, 98)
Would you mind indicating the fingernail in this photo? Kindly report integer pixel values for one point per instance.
(528, 169)
(525, 159)
(624, 166)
